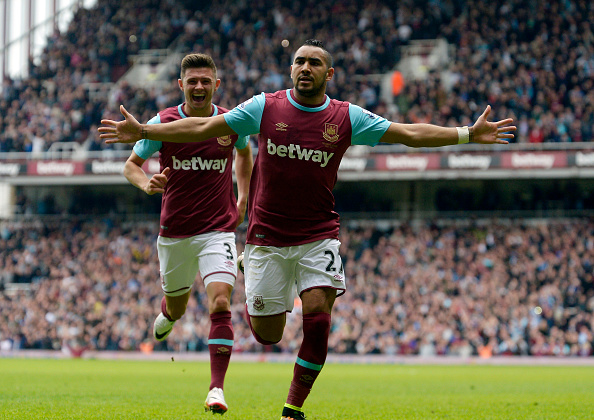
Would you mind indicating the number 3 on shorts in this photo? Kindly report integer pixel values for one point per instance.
(229, 252)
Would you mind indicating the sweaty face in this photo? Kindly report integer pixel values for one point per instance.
(199, 85)
(309, 71)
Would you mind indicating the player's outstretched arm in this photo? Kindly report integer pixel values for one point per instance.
(186, 130)
(427, 135)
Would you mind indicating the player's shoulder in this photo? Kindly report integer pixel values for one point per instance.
(170, 113)
(221, 110)
(339, 104)
(279, 94)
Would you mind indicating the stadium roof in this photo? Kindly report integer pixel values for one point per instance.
(25, 26)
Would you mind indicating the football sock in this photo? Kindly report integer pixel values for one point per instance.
(220, 346)
(164, 309)
(311, 357)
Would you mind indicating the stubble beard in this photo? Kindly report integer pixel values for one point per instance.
(313, 91)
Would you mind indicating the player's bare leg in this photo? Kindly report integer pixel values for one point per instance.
(172, 309)
(220, 343)
(268, 329)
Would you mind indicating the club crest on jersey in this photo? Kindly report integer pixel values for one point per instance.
(224, 141)
(331, 132)
(258, 303)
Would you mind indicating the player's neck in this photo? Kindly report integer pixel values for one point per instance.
(204, 112)
(312, 101)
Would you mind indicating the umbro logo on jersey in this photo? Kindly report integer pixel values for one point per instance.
(281, 126)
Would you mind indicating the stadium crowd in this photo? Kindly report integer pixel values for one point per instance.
(485, 287)
(530, 60)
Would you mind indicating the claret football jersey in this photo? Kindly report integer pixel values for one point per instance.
(299, 152)
(199, 195)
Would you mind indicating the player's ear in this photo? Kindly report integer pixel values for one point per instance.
(329, 74)
(180, 83)
(217, 84)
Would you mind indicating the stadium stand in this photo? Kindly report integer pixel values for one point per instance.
(490, 287)
(532, 61)
(481, 287)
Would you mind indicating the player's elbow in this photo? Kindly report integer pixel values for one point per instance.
(400, 134)
(129, 168)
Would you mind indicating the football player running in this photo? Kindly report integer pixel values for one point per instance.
(292, 237)
(199, 214)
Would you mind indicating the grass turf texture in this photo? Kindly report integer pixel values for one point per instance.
(100, 389)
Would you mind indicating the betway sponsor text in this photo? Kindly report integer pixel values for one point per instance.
(294, 151)
(197, 163)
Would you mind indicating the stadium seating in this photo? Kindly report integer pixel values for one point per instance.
(496, 287)
(482, 288)
(534, 63)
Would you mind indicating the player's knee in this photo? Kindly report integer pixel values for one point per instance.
(220, 303)
(265, 333)
(318, 300)
(268, 340)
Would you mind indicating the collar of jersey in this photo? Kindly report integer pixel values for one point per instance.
(306, 108)
(180, 109)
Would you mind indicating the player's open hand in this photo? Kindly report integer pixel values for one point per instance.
(485, 132)
(126, 131)
(157, 183)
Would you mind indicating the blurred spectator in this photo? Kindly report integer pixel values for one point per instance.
(499, 288)
(494, 287)
(532, 61)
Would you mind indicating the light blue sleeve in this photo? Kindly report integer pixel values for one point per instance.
(245, 119)
(242, 142)
(368, 128)
(145, 148)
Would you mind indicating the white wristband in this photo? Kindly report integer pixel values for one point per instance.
(463, 135)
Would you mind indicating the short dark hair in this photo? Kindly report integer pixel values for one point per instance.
(197, 61)
(320, 44)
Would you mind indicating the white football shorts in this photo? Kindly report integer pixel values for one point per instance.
(213, 253)
(272, 274)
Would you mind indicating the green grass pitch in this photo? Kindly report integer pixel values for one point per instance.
(119, 389)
